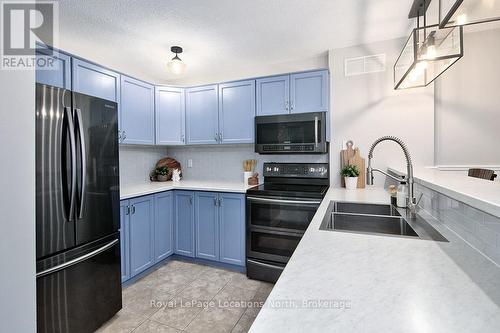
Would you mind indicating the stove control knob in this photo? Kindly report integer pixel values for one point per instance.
(269, 169)
(276, 169)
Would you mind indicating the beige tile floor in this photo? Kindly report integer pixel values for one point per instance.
(186, 297)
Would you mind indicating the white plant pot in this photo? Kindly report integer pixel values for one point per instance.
(351, 183)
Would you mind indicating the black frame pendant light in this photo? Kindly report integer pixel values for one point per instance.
(176, 65)
(464, 12)
(428, 52)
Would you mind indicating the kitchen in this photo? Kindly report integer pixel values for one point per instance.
(297, 249)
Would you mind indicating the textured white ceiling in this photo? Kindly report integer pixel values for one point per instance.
(222, 39)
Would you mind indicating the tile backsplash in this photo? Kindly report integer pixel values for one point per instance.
(217, 163)
(137, 161)
(481, 230)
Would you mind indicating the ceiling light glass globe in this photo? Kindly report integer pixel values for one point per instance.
(176, 66)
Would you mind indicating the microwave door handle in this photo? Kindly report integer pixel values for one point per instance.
(316, 131)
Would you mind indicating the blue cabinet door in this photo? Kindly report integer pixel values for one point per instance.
(184, 223)
(137, 113)
(207, 225)
(170, 116)
(202, 120)
(124, 239)
(232, 228)
(164, 225)
(95, 81)
(141, 233)
(59, 74)
(237, 112)
(273, 95)
(309, 92)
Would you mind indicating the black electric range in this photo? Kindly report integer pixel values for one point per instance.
(278, 213)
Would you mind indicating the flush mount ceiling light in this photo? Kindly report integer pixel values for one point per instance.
(428, 52)
(176, 65)
(463, 12)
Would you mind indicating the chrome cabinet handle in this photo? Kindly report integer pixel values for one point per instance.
(77, 260)
(221, 202)
(286, 105)
(182, 137)
(72, 142)
(133, 209)
(190, 200)
(316, 130)
(83, 156)
(217, 137)
(215, 201)
(292, 106)
(220, 137)
(119, 136)
(127, 210)
(124, 136)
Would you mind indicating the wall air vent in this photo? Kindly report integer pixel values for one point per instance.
(364, 65)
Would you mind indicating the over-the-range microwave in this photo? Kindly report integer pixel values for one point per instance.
(299, 133)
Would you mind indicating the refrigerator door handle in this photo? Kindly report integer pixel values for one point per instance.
(77, 260)
(83, 153)
(71, 132)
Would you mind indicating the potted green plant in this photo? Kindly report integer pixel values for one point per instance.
(161, 174)
(350, 174)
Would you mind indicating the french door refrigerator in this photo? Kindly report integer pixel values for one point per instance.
(77, 211)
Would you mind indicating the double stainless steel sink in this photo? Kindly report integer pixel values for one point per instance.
(377, 219)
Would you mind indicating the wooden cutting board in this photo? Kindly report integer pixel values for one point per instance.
(358, 161)
(345, 156)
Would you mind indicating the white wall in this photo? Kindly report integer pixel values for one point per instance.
(17, 201)
(225, 163)
(136, 162)
(468, 104)
(366, 107)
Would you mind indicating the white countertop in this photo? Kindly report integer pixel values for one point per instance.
(478, 193)
(136, 190)
(390, 284)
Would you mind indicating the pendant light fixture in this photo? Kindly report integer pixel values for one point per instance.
(176, 65)
(464, 12)
(428, 52)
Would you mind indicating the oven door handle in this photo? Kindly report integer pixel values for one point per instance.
(269, 200)
(264, 264)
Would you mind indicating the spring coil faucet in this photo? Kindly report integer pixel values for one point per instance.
(411, 200)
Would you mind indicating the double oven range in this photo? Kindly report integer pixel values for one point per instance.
(278, 213)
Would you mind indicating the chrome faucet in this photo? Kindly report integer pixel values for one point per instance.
(411, 200)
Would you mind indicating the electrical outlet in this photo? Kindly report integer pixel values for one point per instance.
(344, 143)
(190, 163)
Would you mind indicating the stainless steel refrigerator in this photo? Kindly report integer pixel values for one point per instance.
(77, 211)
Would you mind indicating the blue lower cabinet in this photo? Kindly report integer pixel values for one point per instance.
(207, 225)
(124, 241)
(164, 225)
(184, 223)
(141, 234)
(232, 228)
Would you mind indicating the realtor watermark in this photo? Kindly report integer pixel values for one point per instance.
(329, 304)
(26, 27)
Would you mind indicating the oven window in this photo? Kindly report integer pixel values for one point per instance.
(269, 243)
(281, 215)
(287, 133)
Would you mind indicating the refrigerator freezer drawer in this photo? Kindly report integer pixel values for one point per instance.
(80, 290)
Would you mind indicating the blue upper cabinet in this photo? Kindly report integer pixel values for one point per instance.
(273, 95)
(124, 241)
(237, 112)
(202, 123)
(232, 228)
(184, 223)
(164, 225)
(60, 74)
(309, 92)
(207, 225)
(137, 111)
(141, 234)
(170, 116)
(95, 81)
